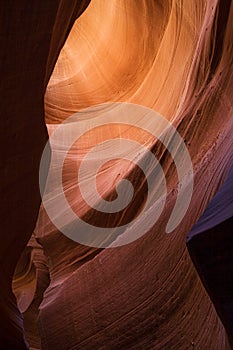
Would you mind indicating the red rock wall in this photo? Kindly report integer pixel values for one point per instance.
(172, 56)
(29, 49)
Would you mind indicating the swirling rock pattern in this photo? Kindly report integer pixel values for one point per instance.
(172, 56)
(31, 39)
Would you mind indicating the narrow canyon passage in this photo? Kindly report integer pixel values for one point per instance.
(172, 57)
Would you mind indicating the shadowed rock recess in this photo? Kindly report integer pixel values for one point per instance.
(176, 58)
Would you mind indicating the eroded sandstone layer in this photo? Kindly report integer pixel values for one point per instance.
(32, 34)
(171, 56)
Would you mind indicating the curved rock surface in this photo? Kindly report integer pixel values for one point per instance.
(30, 43)
(210, 246)
(172, 56)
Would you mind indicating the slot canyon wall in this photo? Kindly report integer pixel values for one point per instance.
(58, 58)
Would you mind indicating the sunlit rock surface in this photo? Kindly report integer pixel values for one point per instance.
(171, 56)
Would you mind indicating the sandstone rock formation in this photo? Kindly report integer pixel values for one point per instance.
(172, 56)
(32, 35)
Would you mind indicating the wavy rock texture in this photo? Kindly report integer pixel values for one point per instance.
(172, 56)
(32, 34)
(29, 284)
